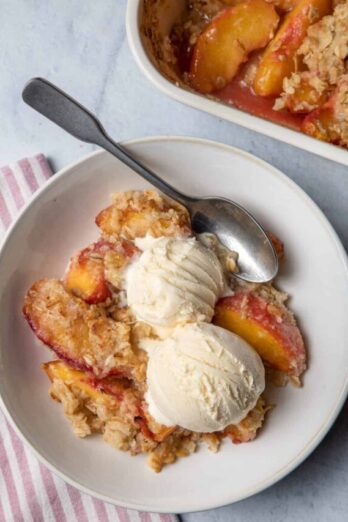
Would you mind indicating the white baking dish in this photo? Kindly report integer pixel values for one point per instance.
(167, 12)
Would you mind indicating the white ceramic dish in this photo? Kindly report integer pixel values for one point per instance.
(147, 64)
(60, 220)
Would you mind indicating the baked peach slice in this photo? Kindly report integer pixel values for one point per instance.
(136, 214)
(261, 318)
(279, 60)
(86, 382)
(227, 41)
(58, 370)
(87, 276)
(79, 333)
(110, 391)
(118, 396)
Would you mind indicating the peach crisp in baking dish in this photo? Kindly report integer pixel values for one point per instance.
(283, 60)
(158, 345)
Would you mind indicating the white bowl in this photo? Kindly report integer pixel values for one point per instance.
(148, 64)
(60, 220)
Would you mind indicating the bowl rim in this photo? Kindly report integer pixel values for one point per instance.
(218, 108)
(341, 397)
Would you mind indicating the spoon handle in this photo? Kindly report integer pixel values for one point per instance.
(57, 106)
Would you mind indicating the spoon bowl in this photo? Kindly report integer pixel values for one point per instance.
(238, 231)
(234, 227)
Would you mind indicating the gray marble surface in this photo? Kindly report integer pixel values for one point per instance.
(81, 45)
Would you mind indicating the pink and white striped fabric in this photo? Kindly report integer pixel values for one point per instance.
(29, 492)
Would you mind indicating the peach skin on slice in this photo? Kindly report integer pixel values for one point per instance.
(80, 334)
(227, 41)
(86, 277)
(267, 326)
(278, 60)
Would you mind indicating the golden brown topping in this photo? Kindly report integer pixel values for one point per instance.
(330, 122)
(246, 430)
(77, 332)
(326, 46)
(135, 214)
(324, 51)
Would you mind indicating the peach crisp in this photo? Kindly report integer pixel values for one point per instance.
(283, 60)
(102, 367)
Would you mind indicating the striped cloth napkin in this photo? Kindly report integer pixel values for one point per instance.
(29, 492)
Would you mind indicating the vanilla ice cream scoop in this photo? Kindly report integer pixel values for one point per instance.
(202, 378)
(175, 281)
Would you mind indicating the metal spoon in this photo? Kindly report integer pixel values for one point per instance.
(233, 225)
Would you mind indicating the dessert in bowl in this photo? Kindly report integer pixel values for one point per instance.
(59, 221)
(160, 346)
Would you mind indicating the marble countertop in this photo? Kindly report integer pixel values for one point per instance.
(82, 47)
